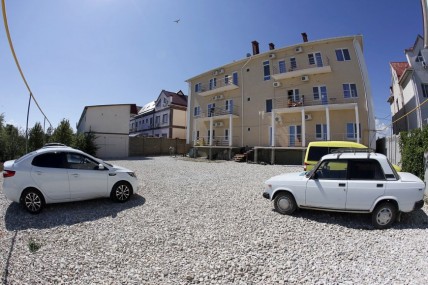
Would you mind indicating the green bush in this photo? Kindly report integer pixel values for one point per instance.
(413, 145)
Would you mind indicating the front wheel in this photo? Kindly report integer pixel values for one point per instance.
(384, 215)
(121, 192)
(32, 200)
(285, 203)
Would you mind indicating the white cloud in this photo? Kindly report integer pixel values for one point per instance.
(382, 129)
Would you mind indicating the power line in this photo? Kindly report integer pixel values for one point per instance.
(6, 26)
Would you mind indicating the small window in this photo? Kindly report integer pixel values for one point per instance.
(365, 170)
(266, 70)
(349, 90)
(268, 105)
(198, 87)
(197, 111)
(351, 130)
(281, 65)
(235, 78)
(425, 90)
(213, 83)
(332, 170)
(49, 160)
(343, 54)
(165, 118)
(79, 161)
(293, 64)
(419, 58)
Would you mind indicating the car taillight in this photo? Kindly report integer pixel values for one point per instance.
(8, 173)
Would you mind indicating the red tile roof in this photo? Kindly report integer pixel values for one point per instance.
(177, 98)
(399, 68)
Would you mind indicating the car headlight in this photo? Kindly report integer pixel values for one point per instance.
(132, 174)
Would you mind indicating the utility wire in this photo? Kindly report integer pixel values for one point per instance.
(6, 26)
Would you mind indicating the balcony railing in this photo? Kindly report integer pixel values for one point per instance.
(217, 141)
(221, 85)
(219, 111)
(308, 100)
(302, 68)
(283, 140)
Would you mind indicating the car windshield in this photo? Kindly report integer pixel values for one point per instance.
(25, 156)
(309, 173)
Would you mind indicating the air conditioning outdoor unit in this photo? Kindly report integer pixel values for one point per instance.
(276, 84)
(272, 55)
(298, 49)
(222, 71)
(308, 117)
(305, 78)
(215, 73)
(218, 97)
(218, 124)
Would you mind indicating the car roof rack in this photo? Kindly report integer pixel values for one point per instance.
(340, 151)
(55, 145)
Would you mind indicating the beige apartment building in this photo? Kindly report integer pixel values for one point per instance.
(282, 99)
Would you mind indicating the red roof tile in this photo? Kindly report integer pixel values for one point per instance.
(399, 68)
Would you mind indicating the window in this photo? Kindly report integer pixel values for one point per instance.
(51, 160)
(320, 93)
(419, 58)
(315, 58)
(351, 130)
(343, 54)
(226, 134)
(294, 95)
(197, 111)
(266, 70)
(321, 132)
(293, 64)
(268, 105)
(282, 67)
(229, 106)
(425, 90)
(165, 118)
(350, 90)
(365, 169)
(213, 83)
(226, 80)
(157, 120)
(332, 170)
(235, 78)
(211, 109)
(78, 161)
(198, 87)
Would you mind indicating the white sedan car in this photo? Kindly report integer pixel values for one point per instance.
(349, 181)
(55, 174)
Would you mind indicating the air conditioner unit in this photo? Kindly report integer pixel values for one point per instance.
(272, 56)
(298, 49)
(218, 97)
(276, 84)
(278, 119)
(308, 117)
(305, 78)
(218, 124)
(222, 71)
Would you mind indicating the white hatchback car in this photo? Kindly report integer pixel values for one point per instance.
(55, 174)
(349, 181)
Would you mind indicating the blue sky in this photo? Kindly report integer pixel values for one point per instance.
(76, 53)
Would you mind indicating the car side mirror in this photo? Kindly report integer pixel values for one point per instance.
(314, 176)
(100, 166)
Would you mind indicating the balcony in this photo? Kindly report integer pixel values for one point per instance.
(218, 113)
(222, 85)
(303, 69)
(290, 105)
(287, 140)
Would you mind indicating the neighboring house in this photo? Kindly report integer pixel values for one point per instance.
(285, 98)
(165, 117)
(409, 89)
(110, 124)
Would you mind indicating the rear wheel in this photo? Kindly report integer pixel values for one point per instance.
(285, 203)
(32, 200)
(121, 192)
(384, 215)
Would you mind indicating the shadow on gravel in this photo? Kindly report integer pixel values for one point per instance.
(130, 158)
(414, 220)
(54, 215)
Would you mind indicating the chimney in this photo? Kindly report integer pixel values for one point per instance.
(255, 47)
(305, 37)
(271, 46)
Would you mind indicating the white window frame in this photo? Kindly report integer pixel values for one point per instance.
(266, 76)
(351, 95)
(341, 50)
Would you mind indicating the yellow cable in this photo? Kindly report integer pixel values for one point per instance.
(6, 26)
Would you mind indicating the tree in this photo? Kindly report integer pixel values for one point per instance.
(63, 133)
(14, 142)
(86, 142)
(36, 137)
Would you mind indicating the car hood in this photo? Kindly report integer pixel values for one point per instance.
(294, 176)
(117, 168)
(409, 177)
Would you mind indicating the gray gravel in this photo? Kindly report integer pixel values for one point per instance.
(205, 223)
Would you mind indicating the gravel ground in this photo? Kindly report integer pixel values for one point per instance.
(205, 223)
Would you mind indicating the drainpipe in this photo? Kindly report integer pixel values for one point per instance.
(242, 100)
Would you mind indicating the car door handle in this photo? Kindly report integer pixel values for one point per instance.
(74, 174)
(342, 184)
(112, 174)
(39, 172)
(379, 185)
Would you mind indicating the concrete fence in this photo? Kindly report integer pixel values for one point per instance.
(143, 146)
